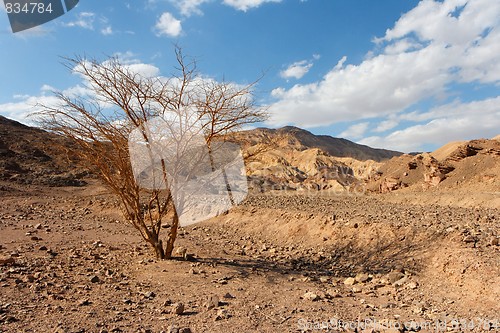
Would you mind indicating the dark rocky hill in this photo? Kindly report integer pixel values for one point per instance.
(32, 156)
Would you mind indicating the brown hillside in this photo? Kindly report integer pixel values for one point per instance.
(299, 139)
(32, 156)
(294, 159)
(469, 169)
(443, 152)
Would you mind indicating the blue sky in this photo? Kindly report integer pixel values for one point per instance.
(407, 75)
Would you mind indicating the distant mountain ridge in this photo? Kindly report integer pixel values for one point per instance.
(295, 159)
(301, 139)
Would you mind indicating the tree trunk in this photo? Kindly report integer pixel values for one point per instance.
(224, 174)
(158, 248)
(172, 236)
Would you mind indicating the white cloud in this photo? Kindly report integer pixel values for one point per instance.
(168, 25)
(145, 70)
(451, 122)
(386, 125)
(21, 110)
(428, 49)
(107, 31)
(296, 70)
(245, 5)
(189, 7)
(340, 64)
(129, 63)
(377, 87)
(355, 131)
(403, 45)
(47, 88)
(84, 20)
(23, 105)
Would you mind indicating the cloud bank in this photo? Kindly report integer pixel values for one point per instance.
(429, 50)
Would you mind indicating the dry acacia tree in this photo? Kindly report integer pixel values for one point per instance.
(118, 100)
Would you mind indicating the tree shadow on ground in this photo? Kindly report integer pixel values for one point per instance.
(340, 260)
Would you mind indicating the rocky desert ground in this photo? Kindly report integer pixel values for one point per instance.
(423, 256)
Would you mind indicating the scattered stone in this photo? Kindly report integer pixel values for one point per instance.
(469, 239)
(311, 296)
(394, 276)
(59, 329)
(185, 330)
(401, 282)
(222, 280)
(350, 281)
(150, 295)
(494, 241)
(362, 277)
(334, 293)
(222, 314)
(181, 251)
(356, 289)
(324, 279)
(84, 302)
(228, 296)
(94, 279)
(30, 278)
(212, 302)
(178, 308)
(38, 226)
(388, 306)
(7, 261)
(413, 285)
(173, 329)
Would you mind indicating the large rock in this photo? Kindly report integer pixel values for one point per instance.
(390, 184)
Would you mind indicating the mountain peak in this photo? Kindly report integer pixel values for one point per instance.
(291, 136)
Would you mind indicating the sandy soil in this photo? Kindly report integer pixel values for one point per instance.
(277, 263)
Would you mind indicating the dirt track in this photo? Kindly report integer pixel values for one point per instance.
(275, 264)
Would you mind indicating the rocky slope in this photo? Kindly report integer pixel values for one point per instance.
(465, 164)
(287, 158)
(298, 139)
(294, 159)
(32, 156)
(462, 174)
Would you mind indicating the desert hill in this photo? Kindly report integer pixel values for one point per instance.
(299, 139)
(32, 156)
(294, 159)
(465, 169)
(286, 158)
